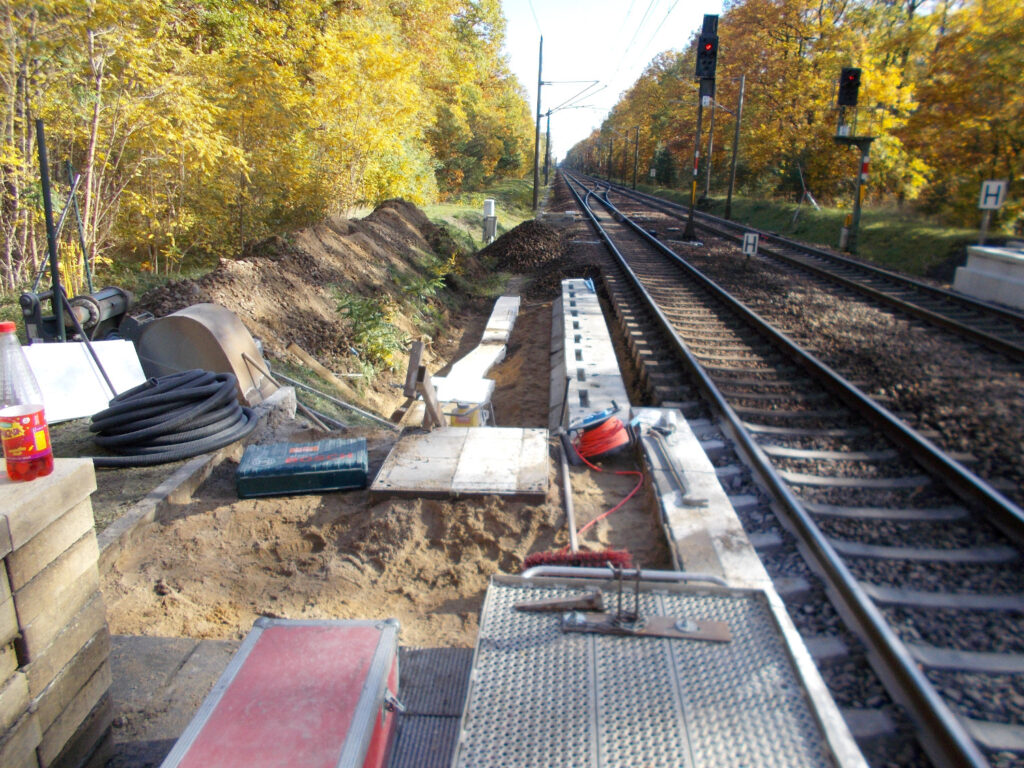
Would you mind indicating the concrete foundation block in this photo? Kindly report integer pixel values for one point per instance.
(59, 694)
(31, 507)
(18, 745)
(13, 699)
(75, 634)
(68, 725)
(26, 562)
(44, 629)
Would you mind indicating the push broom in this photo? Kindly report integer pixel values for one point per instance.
(602, 435)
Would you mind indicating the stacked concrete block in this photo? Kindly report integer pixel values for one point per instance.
(55, 708)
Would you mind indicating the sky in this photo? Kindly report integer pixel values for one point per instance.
(611, 41)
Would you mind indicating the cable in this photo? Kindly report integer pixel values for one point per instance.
(603, 438)
(535, 20)
(171, 418)
(609, 431)
(656, 31)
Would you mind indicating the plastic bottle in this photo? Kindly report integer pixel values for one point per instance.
(23, 429)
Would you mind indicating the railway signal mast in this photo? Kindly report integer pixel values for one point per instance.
(846, 133)
(707, 62)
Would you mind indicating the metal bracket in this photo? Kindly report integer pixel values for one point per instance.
(591, 601)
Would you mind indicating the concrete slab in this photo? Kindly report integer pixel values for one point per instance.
(31, 507)
(502, 319)
(706, 535)
(993, 274)
(591, 366)
(467, 460)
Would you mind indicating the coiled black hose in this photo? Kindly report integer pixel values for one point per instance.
(171, 418)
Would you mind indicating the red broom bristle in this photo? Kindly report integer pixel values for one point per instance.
(599, 559)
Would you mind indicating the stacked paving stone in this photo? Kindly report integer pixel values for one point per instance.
(55, 708)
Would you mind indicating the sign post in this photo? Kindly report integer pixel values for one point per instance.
(750, 244)
(993, 195)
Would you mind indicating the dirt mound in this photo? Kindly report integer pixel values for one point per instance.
(285, 288)
(525, 247)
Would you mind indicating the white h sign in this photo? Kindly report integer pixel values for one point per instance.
(750, 243)
(993, 195)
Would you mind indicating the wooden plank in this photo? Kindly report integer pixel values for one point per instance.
(422, 462)
(433, 417)
(412, 374)
(489, 462)
(467, 460)
(321, 370)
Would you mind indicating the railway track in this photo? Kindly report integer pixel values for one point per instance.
(919, 557)
(998, 328)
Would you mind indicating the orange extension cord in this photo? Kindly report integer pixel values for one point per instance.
(605, 437)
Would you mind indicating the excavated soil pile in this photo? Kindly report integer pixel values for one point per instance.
(285, 288)
(543, 252)
(525, 247)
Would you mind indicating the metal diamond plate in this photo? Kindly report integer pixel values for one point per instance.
(542, 698)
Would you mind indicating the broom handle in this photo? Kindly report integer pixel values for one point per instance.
(570, 515)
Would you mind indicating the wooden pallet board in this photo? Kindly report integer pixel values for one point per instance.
(459, 461)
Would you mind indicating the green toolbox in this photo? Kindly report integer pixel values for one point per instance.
(289, 468)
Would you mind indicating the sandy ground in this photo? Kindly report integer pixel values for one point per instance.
(219, 563)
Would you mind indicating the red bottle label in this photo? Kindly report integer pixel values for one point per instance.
(24, 433)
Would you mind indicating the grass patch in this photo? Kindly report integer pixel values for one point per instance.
(463, 214)
(888, 237)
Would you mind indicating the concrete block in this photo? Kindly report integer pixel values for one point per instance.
(8, 660)
(13, 700)
(47, 663)
(30, 507)
(39, 594)
(92, 744)
(5, 584)
(44, 629)
(70, 680)
(8, 621)
(75, 716)
(19, 744)
(24, 563)
(5, 535)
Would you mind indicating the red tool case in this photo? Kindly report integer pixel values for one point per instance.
(317, 694)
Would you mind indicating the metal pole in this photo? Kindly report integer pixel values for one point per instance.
(547, 150)
(862, 177)
(986, 219)
(636, 154)
(735, 147)
(536, 136)
(711, 147)
(610, 145)
(690, 233)
(81, 231)
(57, 302)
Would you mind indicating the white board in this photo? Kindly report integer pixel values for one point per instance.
(72, 385)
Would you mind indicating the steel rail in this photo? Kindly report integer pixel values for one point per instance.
(943, 736)
(994, 342)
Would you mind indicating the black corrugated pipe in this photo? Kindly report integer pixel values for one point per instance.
(171, 418)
